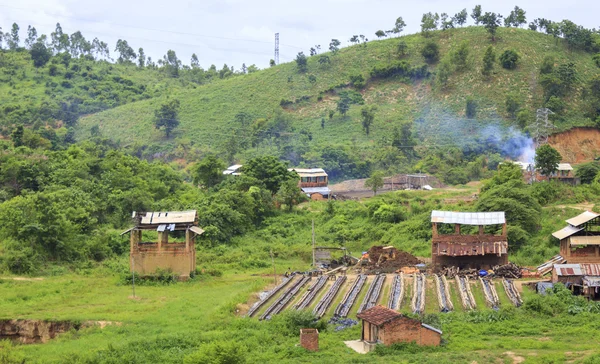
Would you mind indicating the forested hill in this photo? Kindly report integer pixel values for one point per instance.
(434, 101)
(364, 107)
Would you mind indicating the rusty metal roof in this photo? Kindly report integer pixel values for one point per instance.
(468, 218)
(168, 217)
(564, 270)
(582, 218)
(378, 315)
(566, 232)
(585, 240)
(590, 269)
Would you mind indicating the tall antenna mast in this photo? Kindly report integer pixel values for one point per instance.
(276, 59)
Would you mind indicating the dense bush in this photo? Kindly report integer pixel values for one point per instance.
(509, 59)
(431, 52)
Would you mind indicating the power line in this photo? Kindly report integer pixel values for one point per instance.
(150, 29)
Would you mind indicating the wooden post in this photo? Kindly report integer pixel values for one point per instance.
(313, 245)
(273, 262)
(160, 238)
(457, 229)
(187, 240)
(480, 229)
(435, 230)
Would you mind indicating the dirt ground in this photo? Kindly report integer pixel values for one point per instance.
(578, 145)
(355, 188)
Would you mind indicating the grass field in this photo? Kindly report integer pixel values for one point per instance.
(172, 323)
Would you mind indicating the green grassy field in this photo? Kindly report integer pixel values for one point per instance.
(172, 324)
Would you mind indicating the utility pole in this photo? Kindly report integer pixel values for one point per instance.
(133, 276)
(276, 59)
(313, 244)
(273, 262)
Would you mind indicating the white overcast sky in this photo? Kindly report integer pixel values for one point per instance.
(242, 31)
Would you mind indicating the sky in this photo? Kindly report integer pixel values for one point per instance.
(243, 31)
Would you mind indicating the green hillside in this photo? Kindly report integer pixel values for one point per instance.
(285, 108)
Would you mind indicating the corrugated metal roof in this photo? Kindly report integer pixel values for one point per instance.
(319, 174)
(590, 269)
(468, 218)
(197, 230)
(564, 270)
(565, 232)
(169, 217)
(564, 167)
(432, 328)
(307, 170)
(322, 190)
(584, 240)
(582, 218)
(591, 281)
(232, 169)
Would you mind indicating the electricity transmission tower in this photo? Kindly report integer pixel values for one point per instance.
(276, 59)
(543, 126)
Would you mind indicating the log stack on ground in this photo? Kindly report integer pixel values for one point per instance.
(510, 270)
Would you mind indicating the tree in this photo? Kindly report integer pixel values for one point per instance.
(60, 41)
(194, 62)
(270, 171)
(343, 104)
(17, 136)
(126, 53)
(324, 60)
(509, 59)
(476, 14)
(272, 63)
(586, 172)
(431, 52)
(491, 22)
(460, 56)
(461, 17)
(446, 21)
(290, 194)
(13, 38)
(429, 22)
(252, 68)
(547, 159)
(172, 64)
(516, 18)
(513, 104)
(443, 72)
(334, 46)
(141, 58)
(489, 58)
(208, 172)
(398, 26)
(375, 182)
(402, 48)
(31, 37)
(471, 108)
(380, 34)
(301, 62)
(547, 65)
(167, 116)
(368, 115)
(40, 54)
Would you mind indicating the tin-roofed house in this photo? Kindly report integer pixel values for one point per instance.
(476, 248)
(582, 279)
(313, 182)
(381, 325)
(177, 257)
(580, 239)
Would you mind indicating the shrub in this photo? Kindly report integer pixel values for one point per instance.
(556, 104)
(596, 59)
(358, 81)
(509, 59)
(290, 322)
(218, 352)
(471, 108)
(403, 49)
(431, 52)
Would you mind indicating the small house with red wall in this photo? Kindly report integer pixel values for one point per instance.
(381, 325)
